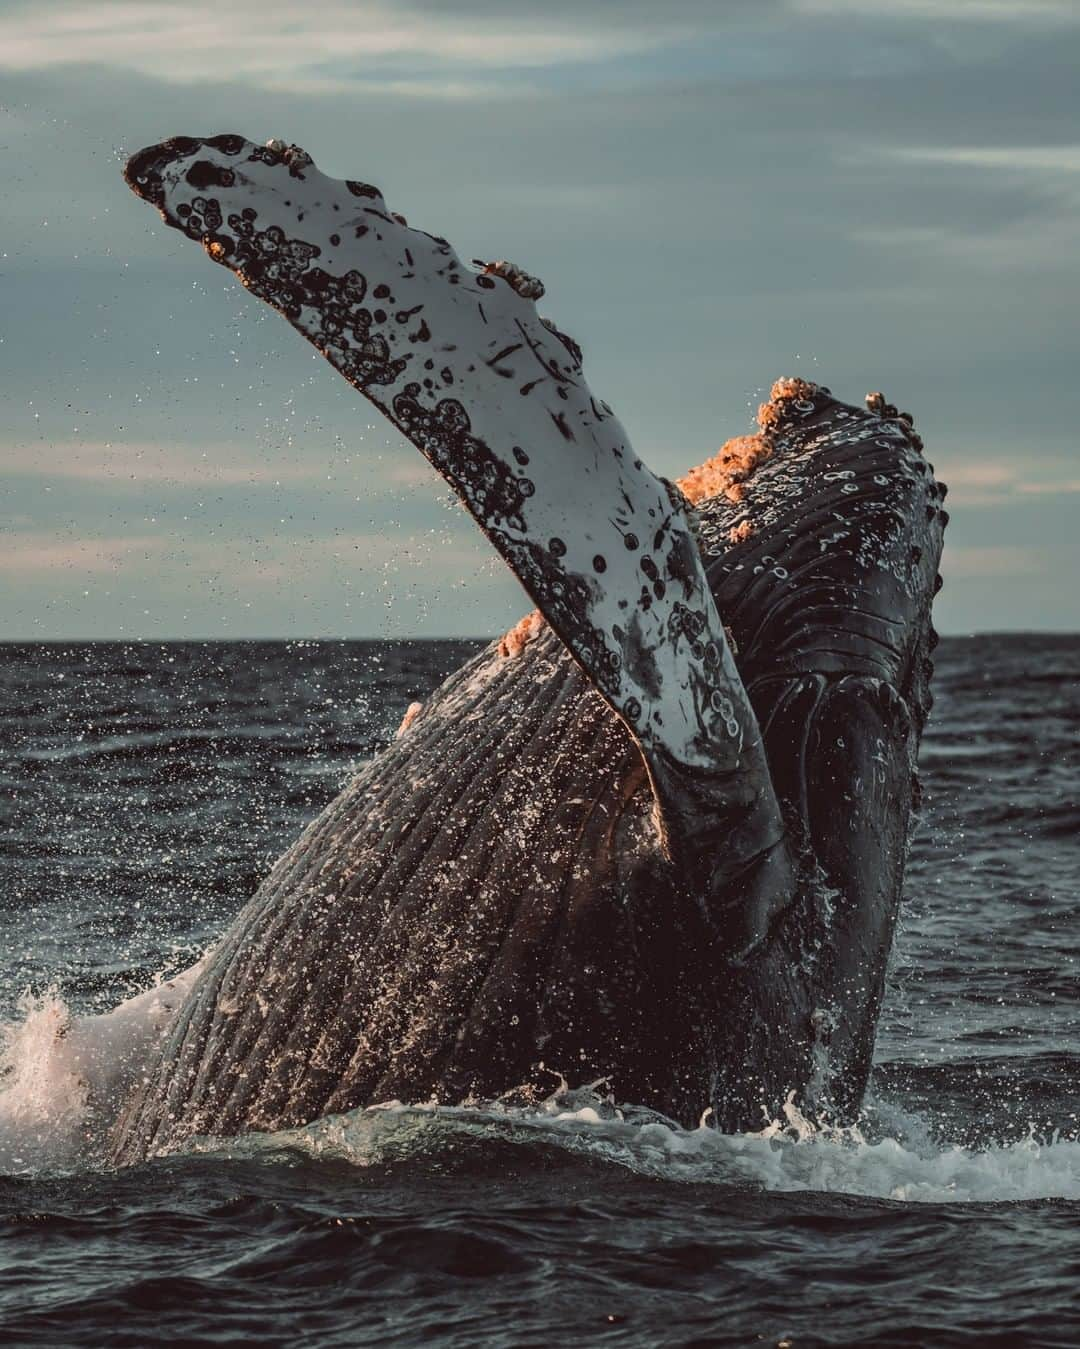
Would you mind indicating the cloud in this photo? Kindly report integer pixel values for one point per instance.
(133, 466)
(372, 557)
(1050, 171)
(1015, 12)
(985, 207)
(32, 552)
(1053, 159)
(997, 482)
(428, 49)
(865, 194)
(349, 582)
(125, 466)
(272, 43)
(1032, 246)
(962, 562)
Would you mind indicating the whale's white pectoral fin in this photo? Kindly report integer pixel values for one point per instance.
(494, 396)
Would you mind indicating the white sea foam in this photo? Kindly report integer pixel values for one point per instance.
(62, 1076)
(789, 1155)
(62, 1079)
(44, 1098)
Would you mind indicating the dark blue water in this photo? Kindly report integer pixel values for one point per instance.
(145, 789)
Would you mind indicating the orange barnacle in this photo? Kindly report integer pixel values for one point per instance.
(515, 641)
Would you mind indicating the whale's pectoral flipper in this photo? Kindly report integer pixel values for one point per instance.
(494, 396)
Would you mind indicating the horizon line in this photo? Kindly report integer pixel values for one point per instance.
(488, 637)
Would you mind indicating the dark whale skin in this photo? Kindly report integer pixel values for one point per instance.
(487, 905)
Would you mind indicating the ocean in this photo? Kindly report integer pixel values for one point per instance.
(145, 788)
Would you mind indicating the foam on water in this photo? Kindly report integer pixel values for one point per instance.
(43, 1096)
(62, 1078)
(789, 1155)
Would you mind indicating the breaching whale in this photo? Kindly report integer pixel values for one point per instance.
(656, 835)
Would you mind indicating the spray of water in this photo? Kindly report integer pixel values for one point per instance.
(62, 1078)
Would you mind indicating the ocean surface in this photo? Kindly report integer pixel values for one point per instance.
(144, 791)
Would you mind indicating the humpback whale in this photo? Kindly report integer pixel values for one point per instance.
(655, 835)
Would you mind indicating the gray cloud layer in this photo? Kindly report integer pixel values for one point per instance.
(714, 196)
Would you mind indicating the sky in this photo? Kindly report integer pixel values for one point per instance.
(876, 194)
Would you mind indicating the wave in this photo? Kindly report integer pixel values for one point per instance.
(792, 1155)
(61, 1079)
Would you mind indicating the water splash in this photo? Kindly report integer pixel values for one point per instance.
(62, 1080)
(44, 1097)
(62, 1077)
(788, 1155)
